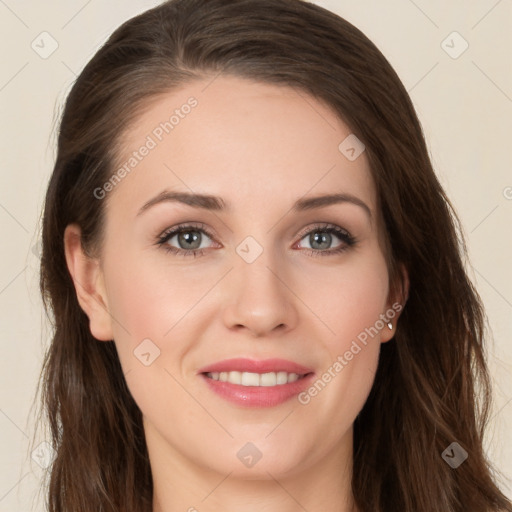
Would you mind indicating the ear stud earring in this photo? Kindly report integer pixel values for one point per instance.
(390, 326)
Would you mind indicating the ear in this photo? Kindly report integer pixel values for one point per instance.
(89, 284)
(395, 305)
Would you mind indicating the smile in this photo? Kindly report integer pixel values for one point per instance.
(256, 383)
(255, 379)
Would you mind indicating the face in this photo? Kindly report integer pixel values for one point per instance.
(248, 326)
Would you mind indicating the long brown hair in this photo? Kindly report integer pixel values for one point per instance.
(432, 385)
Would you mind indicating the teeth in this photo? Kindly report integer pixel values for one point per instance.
(268, 379)
(254, 379)
(250, 379)
(282, 377)
(235, 377)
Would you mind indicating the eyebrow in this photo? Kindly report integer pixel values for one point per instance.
(214, 203)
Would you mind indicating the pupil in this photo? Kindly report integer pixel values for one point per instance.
(186, 238)
(325, 239)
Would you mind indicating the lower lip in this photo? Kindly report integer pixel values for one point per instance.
(258, 396)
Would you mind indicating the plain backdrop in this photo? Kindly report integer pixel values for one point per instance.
(454, 57)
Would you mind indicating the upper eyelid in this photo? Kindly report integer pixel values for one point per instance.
(317, 226)
(185, 227)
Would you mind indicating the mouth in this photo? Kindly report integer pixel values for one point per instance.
(256, 379)
(252, 383)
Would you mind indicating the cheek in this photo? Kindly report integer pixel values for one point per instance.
(143, 306)
(349, 301)
(350, 306)
(338, 395)
(147, 296)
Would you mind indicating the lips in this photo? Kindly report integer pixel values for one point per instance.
(253, 383)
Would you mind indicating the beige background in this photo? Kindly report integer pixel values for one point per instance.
(464, 103)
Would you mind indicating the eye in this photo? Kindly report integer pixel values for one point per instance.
(189, 239)
(321, 237)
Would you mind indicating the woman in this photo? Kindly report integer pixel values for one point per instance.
(256, 374)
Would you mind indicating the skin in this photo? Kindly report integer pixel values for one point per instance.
(260, 147)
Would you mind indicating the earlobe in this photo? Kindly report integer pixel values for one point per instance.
(395, 306)
(89, 285)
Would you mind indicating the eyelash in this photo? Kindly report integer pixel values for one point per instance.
(342, 234)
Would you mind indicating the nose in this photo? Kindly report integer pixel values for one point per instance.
(258, 297)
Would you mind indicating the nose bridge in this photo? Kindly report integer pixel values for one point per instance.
(259, 298)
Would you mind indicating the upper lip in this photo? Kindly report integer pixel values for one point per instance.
(256, 366)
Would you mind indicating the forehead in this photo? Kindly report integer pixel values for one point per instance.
(253, 143)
